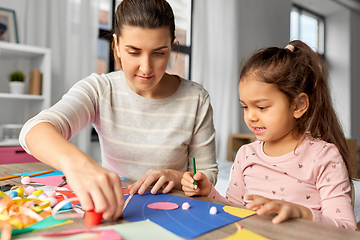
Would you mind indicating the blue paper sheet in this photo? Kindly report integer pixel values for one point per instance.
(55, 173)
(185, 223)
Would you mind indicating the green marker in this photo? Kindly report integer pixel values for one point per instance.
(194, 172)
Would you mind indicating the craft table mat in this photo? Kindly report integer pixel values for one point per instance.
(185, 223)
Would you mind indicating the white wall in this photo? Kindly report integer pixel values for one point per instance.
(262, 23)
(355, 75)
(337, 52)
(342, 52)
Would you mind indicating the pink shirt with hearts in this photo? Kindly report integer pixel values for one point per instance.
(314, 176)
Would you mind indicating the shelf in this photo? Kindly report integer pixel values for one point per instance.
(21, 96)
(19, 108)
(236, 141)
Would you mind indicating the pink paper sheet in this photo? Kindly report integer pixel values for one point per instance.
(104, 234)
(51, 181)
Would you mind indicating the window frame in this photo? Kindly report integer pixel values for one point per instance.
(321, 25)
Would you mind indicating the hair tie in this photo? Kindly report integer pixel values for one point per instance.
(290, 47)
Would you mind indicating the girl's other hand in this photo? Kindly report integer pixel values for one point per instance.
(163, 178)
(285, 210)
(203, 183)
(97, 188)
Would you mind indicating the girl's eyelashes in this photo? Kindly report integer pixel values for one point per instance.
(261, 108)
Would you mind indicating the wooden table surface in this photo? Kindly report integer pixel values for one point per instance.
(290, 230)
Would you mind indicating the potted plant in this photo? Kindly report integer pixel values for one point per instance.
(17, 82)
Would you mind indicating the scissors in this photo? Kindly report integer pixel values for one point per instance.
(63, 182)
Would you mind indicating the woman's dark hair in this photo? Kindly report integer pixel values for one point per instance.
(298, 69)
(149, 14)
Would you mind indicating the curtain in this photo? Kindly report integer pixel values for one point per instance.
(215, 64)
(70, 29)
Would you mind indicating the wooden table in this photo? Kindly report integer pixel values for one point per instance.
(293, 229)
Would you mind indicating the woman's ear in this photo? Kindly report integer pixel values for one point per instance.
(301, 105)
(116, 46)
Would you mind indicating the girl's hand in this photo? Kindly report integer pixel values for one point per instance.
(285, 210)
(97, 188)
(203, 183)
(164, 178)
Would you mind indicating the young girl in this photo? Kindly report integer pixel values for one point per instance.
(299, 166)
(150, 124)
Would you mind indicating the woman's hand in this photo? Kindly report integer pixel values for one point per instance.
(203, 183)
(163, 178)
(285, 210)
(97, 188)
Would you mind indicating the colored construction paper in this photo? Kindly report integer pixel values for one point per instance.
(51, 181)
(55, 173)
(105, 234)
(245, 234)
(185, 223)
(46, 223)
(129, 231)
(240, 212)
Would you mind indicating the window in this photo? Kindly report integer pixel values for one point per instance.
(307, 27)
(105, 62)
(180, 61)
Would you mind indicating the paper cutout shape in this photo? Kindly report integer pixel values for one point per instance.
(163, 206)
(188, 224)
(104, 234)
(69, 194)
(243, 233)
(239, 212)
(46, 223)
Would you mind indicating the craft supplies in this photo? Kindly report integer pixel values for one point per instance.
(22, 212)
(31, 175)
(26, 180)
(105, 234)
(127, 201)
(185, 206)
(92, 218)
(63, 183)
(67, 202)
(213, 210)
(6, 187)
(163, 206)
(29, 190)
(194, 172)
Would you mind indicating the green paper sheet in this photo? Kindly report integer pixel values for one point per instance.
(47, 222)
(129, 231)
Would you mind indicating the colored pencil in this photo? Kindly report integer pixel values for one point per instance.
(30, 175)
(127, 201)
(194, 172)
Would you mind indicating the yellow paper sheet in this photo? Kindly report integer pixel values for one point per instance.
(239, 212)
(245, 234)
